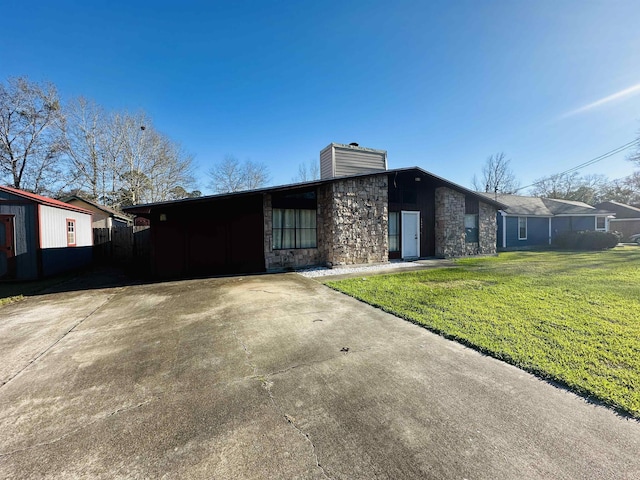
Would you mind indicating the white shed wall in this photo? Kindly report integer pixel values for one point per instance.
(53, 227)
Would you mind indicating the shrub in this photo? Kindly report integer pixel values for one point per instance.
(585, 240)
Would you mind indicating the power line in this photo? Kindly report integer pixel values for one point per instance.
(587, 163)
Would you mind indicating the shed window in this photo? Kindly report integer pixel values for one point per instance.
(394, 232)
(601, 223)
(471, 210)
(71, 232)
(294, 228)
(522, 228)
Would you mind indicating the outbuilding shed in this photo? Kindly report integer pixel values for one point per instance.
(103, 216)
(40, 236)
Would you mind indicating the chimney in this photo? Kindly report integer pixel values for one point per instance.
(339, 160)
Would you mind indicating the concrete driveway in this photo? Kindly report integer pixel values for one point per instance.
(279, 377)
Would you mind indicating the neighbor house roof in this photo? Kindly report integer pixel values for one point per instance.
(543, 207)
(43, 200)
(621, 210)
(145, 208)
(108, 210)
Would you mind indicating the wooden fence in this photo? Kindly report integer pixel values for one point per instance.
(129, 246)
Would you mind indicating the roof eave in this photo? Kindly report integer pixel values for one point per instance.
(137, 209)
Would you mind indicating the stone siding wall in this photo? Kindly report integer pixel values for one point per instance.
(289, 258)
(325, 222)
(450, 233)
(357, 220)
(488, 234)
(449, 223)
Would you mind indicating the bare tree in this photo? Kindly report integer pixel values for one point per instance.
(497, 176)
(307, 172)
(170, 169)
(635, 155)
(85, 138)
(231, 175)
(255, 175)
(30, 145)
(571, 186)
(149, 164)
(115, 158)
(624, 190)
(632, 182)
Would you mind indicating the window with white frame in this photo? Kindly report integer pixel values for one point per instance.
(601, 224)
(71, 232)
(522, 228)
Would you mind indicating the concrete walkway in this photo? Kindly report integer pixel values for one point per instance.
(275, 376)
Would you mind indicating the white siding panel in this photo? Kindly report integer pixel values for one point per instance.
(53, 227)
(352, 162)
(84, 229)
(326, 163)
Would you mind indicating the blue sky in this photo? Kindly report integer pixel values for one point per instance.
(438, 84)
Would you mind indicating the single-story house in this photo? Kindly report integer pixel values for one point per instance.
(103, 216)
(358, 212)
(40, 236)
(627, 220)
(529, 222)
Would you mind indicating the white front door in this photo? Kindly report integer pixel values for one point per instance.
(410, 234)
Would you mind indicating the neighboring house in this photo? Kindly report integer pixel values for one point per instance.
(103, 216)
(358, 212)
(627, 220)
(40, 236)
(529, 222)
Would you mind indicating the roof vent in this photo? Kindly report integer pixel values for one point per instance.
(354, 144)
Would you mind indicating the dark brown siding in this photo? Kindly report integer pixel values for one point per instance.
(209, 238)
(407, 194)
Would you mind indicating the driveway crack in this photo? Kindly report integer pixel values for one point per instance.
(46, 350)
(267, 384)
(247, 354)
(81, 427)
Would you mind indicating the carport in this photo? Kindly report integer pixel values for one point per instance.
(210, 236)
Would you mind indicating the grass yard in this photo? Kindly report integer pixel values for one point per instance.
(570, 317)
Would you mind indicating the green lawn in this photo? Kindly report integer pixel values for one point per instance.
(570, 317)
